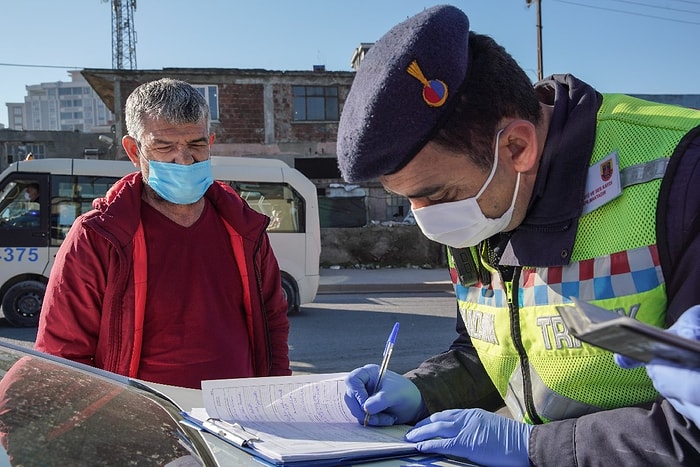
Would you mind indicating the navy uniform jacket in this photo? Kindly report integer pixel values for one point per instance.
(655, 435)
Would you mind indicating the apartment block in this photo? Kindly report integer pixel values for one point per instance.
(63, 106)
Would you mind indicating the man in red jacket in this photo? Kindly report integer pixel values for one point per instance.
(171, 278)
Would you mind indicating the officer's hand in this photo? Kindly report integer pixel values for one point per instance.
(474, 434)
(675, 382)
(398, 400)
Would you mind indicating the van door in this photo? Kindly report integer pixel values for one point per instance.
(24, 214)
(24, 245)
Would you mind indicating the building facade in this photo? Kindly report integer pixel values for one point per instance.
(61, 106)
(288, 115)
(15, 116)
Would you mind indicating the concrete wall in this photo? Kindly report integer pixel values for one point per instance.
(63, 144)
(386, 245)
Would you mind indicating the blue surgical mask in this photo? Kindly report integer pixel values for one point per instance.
(178, 183)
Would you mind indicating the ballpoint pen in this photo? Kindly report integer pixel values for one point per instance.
(388, 348)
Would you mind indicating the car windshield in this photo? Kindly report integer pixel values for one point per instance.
(54, 414)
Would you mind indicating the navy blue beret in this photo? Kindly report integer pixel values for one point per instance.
(403, 89)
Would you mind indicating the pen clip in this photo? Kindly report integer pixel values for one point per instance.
(232, 432)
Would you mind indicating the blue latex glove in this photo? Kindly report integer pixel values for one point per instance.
(678, 384)
(398, 400)
(474, 434)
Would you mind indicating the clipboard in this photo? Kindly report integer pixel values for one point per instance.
(232, 433)
(236, 435)
(627, 336)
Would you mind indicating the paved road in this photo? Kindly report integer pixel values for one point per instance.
(20, 336)
(352, 280)
(339, 332)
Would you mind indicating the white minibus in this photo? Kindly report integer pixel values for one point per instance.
(32, 228)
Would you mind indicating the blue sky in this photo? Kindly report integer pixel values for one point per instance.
(631, 46)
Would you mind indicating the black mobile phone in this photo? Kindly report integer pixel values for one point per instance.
(628, 336)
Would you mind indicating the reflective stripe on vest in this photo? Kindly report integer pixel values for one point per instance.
(565, 376)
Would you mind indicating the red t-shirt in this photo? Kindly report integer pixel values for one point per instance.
(194, 324)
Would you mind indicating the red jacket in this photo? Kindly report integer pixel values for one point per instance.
(88, 313)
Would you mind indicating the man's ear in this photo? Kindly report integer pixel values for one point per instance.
(132, 149)
(520, 137)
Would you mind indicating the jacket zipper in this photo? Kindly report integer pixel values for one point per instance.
(514, 309)
(261, 295)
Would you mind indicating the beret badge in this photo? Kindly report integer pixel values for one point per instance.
(434, 91)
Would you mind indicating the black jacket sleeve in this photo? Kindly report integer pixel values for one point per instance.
(455, 378)
(678, 227)
(626, 436)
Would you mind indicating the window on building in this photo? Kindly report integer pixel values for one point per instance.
(38, 151)
(210, 92)
(397, 207)
(72, 127)
(318, 167)
(342, 212)
(18, 151)
(315, 103)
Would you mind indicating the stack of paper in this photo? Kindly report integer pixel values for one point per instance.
(297, 419)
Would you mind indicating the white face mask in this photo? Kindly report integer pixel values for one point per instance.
(462, 224)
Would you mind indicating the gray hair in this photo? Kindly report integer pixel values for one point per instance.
(165, 99)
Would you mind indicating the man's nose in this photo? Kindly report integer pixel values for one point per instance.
(184, 154)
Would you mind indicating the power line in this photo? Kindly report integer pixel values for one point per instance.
(629, 12)
(26, 65)
(648, 5)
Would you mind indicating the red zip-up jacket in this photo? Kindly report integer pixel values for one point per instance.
(89, 311)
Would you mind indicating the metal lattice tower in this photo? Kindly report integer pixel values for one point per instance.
(123, 35)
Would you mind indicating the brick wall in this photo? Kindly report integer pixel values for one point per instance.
(241, 114)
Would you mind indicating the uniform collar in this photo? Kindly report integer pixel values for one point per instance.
(547, 234)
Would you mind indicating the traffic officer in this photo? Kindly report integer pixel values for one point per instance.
(540, 194)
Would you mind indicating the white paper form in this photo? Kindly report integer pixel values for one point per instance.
(298, 417)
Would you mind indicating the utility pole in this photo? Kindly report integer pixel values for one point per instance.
(540, 68)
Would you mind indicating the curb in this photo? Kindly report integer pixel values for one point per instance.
(325, 289)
